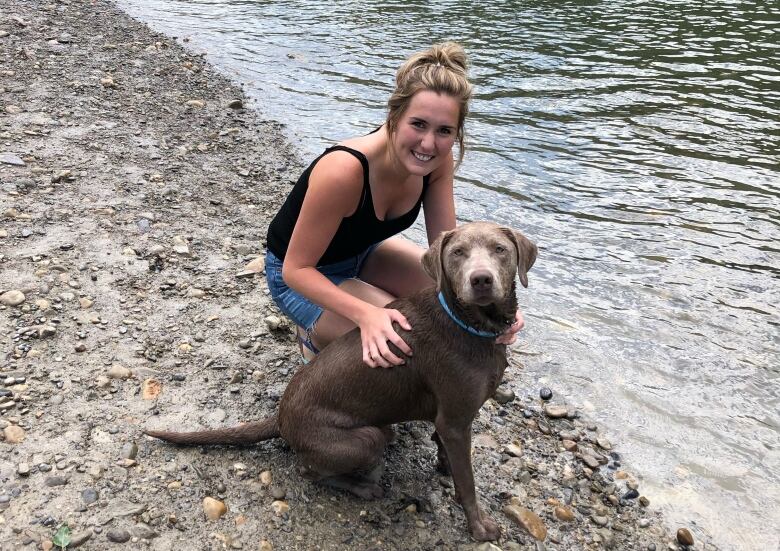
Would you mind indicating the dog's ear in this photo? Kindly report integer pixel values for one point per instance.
(526, 253)
(432, 262)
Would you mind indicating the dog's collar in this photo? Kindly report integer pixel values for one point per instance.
(462, 325)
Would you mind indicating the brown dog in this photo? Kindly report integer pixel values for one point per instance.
(336, 412)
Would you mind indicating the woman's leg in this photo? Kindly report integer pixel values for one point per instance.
(396, 267)
(393, 269)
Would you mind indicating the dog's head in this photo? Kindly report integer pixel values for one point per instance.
(478, 261)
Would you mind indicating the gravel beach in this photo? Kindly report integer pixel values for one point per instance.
(136, 187)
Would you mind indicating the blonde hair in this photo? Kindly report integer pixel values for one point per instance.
(442, 68)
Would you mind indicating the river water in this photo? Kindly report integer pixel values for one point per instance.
(637, 143)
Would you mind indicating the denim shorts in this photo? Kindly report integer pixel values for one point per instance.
(294, 305)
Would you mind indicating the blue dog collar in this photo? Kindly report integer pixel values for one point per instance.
(462, 325)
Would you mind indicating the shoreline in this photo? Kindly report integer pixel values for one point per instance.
(133, 198)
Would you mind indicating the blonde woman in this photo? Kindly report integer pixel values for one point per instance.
(333, 259)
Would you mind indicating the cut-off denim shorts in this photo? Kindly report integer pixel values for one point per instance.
(294, 305)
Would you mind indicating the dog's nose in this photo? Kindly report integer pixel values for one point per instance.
(481, 281)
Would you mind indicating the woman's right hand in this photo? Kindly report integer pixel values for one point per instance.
(376, 330)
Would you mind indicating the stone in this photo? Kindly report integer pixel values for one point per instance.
(236, 104)
(213, 508)
(80, 538)
(85, 303)
(265, 545)
(545, 393)
(198, 103)
(12, 298)
(280, 507)
(599, 520)
(266, 478)
(504, 395)
(273, 322)
(14, 434)
(514, 450)
(150, 389)
(117, 371)
(603, 443)
(555, 412)
(194, 292)
(684, 537)
(118, 536)
(564, 514)
(129, 450)
(529, 520)
(23, 469)
(569, 445)
(89, 495)
(11, 159)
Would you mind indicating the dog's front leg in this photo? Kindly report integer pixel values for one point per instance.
(456, 439)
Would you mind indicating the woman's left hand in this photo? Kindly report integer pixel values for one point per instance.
(510, 336)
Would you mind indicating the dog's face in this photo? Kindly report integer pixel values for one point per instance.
(478, 261)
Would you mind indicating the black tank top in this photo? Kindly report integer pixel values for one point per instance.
(355, 233)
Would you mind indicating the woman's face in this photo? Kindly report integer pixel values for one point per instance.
(426, 131)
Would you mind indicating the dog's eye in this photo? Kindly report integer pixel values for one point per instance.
(457, 252)
(500, 249)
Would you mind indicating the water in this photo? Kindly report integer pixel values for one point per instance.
(637, 143)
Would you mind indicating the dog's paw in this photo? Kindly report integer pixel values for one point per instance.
(485, 529)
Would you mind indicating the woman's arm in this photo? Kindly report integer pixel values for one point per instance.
(439, 202)
(335, 188)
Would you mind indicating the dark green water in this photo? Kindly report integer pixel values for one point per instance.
(637, 143)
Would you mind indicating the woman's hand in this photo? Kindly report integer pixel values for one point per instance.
(510, 336)
(376, 329)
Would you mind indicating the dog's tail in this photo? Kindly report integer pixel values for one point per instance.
(248, 433)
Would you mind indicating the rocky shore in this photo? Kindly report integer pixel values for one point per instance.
(135, 191)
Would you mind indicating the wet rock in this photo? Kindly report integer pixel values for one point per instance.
(545, 393)
(684, 537)
(12, 298)
(529, 520)
(213, 508)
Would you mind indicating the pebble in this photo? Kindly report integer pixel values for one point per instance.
(599, 520)
(23, 469)
(117, 371)
(545, 393)
(631, 494)
(266, 478)
(54, 481)
(504, 395)
(273, 322)
(89, 495)
(12, 298)
(129, 450)
(529, 520)
(236, 104)
(11, 159)
(685, 537)
(118, 536)
(564, 513)
(150, 389)
(213, 508)
(280, 507)
(555, 412)
(14, 434)
(277, 492)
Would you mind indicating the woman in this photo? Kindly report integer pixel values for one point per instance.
(333, 262)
